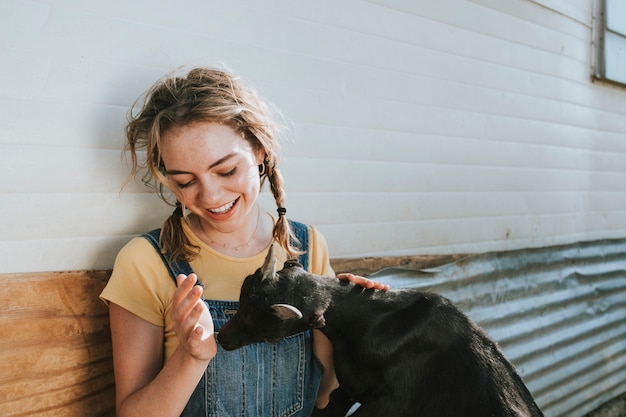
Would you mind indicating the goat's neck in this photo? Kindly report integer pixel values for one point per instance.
(349, 303)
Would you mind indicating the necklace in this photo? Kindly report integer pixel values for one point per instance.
(235, 248)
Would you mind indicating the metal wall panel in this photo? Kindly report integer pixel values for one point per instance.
(416, 127)
(559, 314)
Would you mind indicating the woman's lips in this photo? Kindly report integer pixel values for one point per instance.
(223, 212)
(224, 208)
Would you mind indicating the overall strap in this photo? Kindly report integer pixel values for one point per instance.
(301, 232)
(174, 268)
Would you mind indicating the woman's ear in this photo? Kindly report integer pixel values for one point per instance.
(260, 156)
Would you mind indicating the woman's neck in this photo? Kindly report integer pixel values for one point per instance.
(249, 240)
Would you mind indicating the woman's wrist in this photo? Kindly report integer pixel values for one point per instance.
(200, 359)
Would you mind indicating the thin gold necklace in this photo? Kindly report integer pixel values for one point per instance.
(235, 248)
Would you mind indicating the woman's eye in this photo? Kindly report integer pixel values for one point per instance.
(229, 173)
(185, 185)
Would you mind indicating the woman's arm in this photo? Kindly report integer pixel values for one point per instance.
(324, 353)
(143, 385)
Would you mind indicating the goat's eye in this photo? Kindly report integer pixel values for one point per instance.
(291, 263)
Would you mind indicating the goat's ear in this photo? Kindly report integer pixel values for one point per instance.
(286, 312)
(268, 270)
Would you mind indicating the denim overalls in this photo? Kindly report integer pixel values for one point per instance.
(258, 380)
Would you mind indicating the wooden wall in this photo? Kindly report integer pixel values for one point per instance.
(55, 346)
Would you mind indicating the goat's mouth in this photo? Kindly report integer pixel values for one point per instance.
(225, 344)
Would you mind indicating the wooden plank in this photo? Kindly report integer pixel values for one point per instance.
(55, 349)
(370, 265)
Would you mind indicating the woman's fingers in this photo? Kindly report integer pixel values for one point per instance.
(363, 282)
(186, 296)
(192, 320)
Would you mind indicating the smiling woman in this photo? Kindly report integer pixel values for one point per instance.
(209, 140)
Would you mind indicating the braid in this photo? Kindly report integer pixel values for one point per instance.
(174, 241)
(282, 231)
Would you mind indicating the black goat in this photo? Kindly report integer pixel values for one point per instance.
(398, 353)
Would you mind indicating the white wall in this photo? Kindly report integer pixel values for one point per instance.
(419, 127)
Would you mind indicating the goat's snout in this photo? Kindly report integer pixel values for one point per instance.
(227, 338)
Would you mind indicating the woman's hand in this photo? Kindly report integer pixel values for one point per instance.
(363, 282)
(192, 320)
(143, 384)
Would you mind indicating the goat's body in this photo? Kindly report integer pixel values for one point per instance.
(401, 353)
(409, 353)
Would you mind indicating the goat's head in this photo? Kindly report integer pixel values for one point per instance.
(274, 305)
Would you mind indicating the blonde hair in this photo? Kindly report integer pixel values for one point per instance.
(212, 95)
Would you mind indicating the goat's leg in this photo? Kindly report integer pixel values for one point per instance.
(339, 404)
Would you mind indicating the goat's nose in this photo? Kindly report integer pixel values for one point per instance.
(227, 342)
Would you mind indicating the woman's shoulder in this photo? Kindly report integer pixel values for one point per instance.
(137, 251)
(140, 282)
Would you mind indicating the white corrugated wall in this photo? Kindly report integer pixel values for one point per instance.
(418, 127)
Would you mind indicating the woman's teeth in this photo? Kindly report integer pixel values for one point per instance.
(224, 208)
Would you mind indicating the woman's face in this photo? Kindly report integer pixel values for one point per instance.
(214, 172)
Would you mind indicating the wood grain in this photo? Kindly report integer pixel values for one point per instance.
(55, 348)
(370, 265)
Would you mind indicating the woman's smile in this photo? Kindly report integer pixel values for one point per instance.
(224, 208)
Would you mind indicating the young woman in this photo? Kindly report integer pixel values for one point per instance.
(207, 141)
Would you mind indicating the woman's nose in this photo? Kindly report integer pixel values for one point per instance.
(210, 191)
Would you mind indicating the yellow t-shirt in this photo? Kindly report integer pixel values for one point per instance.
(141, 284)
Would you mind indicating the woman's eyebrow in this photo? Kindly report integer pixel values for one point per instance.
(213, 165)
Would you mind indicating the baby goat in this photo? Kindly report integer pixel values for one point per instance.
(398, 353)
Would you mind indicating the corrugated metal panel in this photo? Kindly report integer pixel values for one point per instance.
(559, 314)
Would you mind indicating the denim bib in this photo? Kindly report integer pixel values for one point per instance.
(258, 380)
